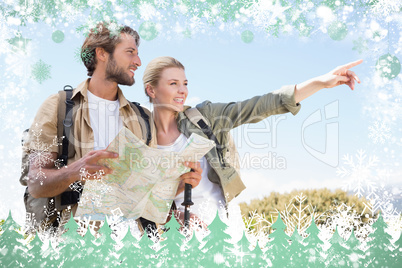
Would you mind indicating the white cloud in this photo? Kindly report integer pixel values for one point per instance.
(193, 101)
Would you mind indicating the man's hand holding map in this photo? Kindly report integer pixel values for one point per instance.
(144, 181)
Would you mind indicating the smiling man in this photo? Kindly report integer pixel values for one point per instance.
(99, 111)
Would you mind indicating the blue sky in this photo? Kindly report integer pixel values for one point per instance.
(221, 67)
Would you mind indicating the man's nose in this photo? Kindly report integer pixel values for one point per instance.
(137, 61)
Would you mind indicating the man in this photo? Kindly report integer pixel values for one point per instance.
(111, 58)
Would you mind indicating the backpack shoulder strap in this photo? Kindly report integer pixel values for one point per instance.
(65, 123)
(194, 115)
(145, 115)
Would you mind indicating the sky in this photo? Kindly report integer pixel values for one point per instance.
(339, 139)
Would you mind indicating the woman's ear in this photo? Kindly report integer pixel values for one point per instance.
(150, 91)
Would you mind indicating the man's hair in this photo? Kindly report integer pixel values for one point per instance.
(107, 36)
(154, 69)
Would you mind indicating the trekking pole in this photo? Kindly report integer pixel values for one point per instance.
(187, 203)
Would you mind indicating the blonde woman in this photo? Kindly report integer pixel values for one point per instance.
(165, 84)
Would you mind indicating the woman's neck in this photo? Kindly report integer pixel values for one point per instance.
(166, 126)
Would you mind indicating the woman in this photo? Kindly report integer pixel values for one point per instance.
(165, 83)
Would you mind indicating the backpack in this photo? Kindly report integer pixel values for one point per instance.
(48, 212)
(231, 156)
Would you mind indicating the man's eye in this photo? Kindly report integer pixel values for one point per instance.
(173, 83)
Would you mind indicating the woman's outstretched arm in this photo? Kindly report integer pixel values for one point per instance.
(339, 76)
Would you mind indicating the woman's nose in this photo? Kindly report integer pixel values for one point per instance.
(182, 89)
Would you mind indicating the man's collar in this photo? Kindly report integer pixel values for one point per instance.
(83, 90)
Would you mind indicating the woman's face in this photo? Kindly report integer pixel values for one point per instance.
(171, 91)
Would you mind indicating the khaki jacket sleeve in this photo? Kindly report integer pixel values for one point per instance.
(43, 131)
(226, 116)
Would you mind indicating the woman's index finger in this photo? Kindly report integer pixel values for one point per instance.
(352, 64)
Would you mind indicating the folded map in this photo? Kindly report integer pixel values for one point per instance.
(144, 181)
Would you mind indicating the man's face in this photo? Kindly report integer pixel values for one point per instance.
(123, 62)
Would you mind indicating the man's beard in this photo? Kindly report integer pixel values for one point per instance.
(117, 74)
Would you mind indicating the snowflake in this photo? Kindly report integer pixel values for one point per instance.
(76, 187)
(84, 223)
(41, 71)
(18, 64)
(379, 132)
(395, 226)
(344, 219)
(85, 175)
(95, 188)
(359, 174)
(267, 14)
(40, 154)
(386, 7)
(71, 12)
(241, 252)
(19, 44)
(164, 252)
(114, 29)
(384, 99)
(147, 11)
(95, 4)
(84, 55)
(360, 45)
(299, 215)
(5, 33)
(382, 200)
(12, 110)
(12, 118)
(40, 158)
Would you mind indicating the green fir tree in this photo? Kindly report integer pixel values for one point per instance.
(219, 251)
(244, 256)
(12, 248)
(172, 240)
(398, 252)
(129, 252)
(50, 256)
(193, 253)
(279, 243)
(148, 256)
(259, 259)
(337, 253)
(296, 250)
(314, 246)
(90, 249)
(106, 251)
(35, 252)
(380, 251)
(356, 255)
(72, 247)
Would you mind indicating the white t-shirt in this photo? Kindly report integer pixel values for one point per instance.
(207, 196)
(105, 120)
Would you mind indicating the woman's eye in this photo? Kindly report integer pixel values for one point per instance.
(174, 83)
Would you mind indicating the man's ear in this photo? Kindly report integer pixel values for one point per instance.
(150, 91)
(101, 54)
